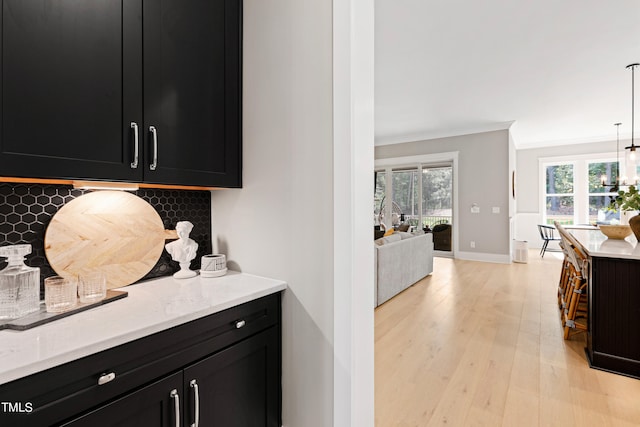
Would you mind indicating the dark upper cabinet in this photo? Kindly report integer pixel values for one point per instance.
(88, 88)
(71, 85)
(192, 91)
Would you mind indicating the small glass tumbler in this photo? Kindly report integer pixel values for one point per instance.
(60, 294)
(92, 287)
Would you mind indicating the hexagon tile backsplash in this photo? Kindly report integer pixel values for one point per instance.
(26, 209)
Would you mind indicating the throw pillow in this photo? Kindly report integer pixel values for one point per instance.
(389, 232)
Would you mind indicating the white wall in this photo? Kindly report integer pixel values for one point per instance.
(283, 222)
(512, 184)
(484, 179)
(528, 211)
(353, 91)
(512, 176)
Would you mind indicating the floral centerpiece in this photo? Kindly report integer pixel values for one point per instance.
(629, 200)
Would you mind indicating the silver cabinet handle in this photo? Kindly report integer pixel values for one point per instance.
(136, 145)
(106, 378)
(196, 398)
(240, 324)
(176, 401)
(154, 138)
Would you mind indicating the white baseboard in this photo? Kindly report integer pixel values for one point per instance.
(484, 257)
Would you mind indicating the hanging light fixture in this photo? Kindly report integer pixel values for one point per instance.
(631, 154)
(603, 177)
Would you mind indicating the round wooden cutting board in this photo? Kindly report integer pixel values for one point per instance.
(114, 232)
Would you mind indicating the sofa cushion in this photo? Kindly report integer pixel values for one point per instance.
(395, 237)
(405, 235)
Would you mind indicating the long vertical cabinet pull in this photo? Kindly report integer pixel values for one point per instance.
(154, 138)
(176, 401)
(136, 145)
(196, 399)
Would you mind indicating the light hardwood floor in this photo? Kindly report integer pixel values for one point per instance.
(480, 344)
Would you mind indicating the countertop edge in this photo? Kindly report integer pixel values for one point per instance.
(598, 245)
(19, 370)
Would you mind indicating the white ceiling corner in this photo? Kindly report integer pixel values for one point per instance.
(453, 67)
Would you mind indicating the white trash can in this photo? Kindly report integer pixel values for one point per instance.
(520, 251)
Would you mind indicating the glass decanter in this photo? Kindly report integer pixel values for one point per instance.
(19, 283)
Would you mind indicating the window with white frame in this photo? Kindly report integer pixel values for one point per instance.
(559, 195)
(437, 186)
(379, 196)
(602, 175)
(406, 196)
(422, 195)
(573, 190)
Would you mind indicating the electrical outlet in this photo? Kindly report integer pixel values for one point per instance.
(473, 244)
(495, 209)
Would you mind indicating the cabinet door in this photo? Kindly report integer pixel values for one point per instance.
(192, 66)
(71, 86)
(153, 405)
(238, 387)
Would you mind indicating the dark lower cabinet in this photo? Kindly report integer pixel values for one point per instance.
(613, 341)
(220, 370)
(235, 387)
(153, 405)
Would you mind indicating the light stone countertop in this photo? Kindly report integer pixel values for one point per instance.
(150, 307)
(597, 244)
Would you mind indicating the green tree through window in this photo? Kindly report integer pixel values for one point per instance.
(559, 193)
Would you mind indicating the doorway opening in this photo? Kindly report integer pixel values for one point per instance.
(437, 210)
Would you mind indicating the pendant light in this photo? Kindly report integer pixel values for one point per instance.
(631, 154)
(618, 179)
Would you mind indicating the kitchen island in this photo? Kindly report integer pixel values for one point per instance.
(197, 337)
(613, 336)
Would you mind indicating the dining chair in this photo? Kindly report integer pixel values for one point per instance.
(565, 276)
(547, 233)
(574, 314)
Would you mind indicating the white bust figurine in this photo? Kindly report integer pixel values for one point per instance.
(183, 250)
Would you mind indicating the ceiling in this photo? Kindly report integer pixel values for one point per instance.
(553, 70)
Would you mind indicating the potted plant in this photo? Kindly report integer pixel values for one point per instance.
(629, 201)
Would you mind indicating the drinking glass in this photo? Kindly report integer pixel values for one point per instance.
(92, 287)
(60, 293)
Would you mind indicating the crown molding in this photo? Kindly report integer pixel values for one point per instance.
(422, 136)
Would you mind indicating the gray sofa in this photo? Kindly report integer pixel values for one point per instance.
(400, 261)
